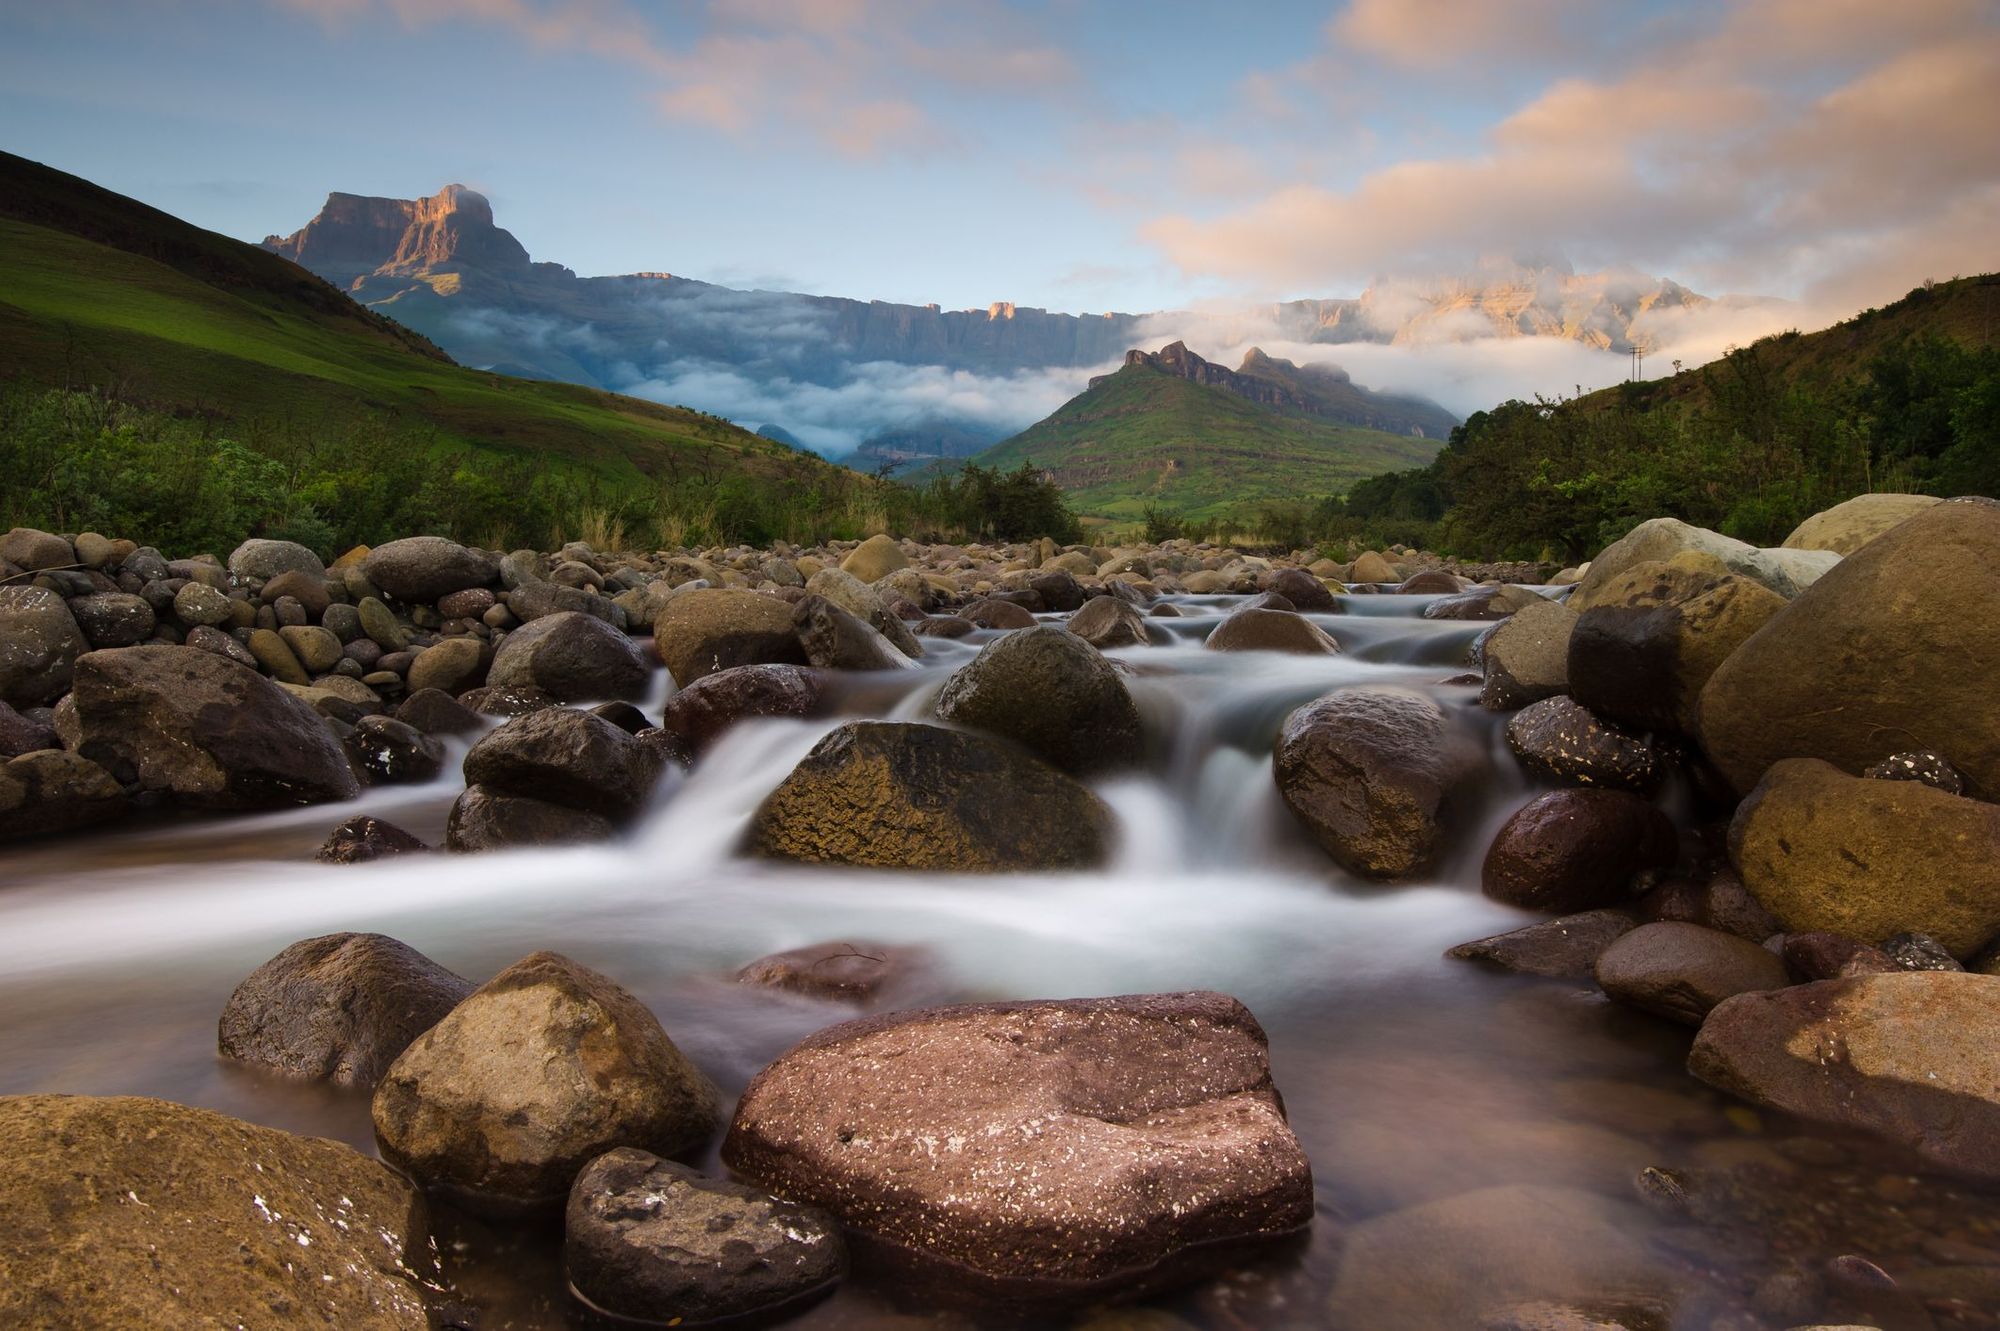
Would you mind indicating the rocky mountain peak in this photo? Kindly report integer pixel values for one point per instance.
(1324, 391)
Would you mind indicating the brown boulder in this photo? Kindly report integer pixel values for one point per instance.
(1260, 630)
(1560, 741)
(701, 632)
(572, 656)
(1681, 971)
(484, 819)
(48, 792)
(703, 710)
(833, 639)
(1052, 693)
(1106, 621)
(1302, 589)
(1574, 850)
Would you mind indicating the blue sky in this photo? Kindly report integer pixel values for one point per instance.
(1067, 154)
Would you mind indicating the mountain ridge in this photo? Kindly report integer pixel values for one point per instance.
(1300, 390)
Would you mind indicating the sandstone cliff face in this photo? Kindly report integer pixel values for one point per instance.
(356, 236)
(1323, 391)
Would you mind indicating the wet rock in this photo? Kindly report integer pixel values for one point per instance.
(48, 792)
(875, 558)
(703, 710)
(541, 1069)
(1848, 526)
(1366, 771)
(1910, 1056)
(390, 752)
(1559, 740)
(900, 795)
(437, 713)
(572, 657)
(564, 757)
(484, 820)
(942, 626)
(128, 1212)
(701, 632)
(994, 613)
(420, 569)
(1822, 850)
(1302, 589)
(339, 1008)
(623, 715)
(1573, 850)
(1052, 693)
(1828, 956)
(1526, 659)
(1880, 656)
(1086, 1144)
(1565, 948)
(1106, 621)
(260, 560)
(843, 971)
(1919, 952)
(1495, 601)
(1257, 630)
(113, 619)
(1681, 971)
(207, 730)
(1930, 769)
(363, 838)
(836, 640)
(452, 665)
(39, 646)
(656, 1242)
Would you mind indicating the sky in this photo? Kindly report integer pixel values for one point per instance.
(1067, 154)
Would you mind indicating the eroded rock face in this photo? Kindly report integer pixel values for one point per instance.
(703, 710)
(1912, 1056)
(1092, 1142)
(542, 1068)
(712, 629)
(131, 1212)
(1573, 850)
(648, 1239)
(573, 657)
(1366, 772)
(1051, 692)
(905, 796)
(337, 1008)
(211, 732)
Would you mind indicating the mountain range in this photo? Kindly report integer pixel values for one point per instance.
(892, 380)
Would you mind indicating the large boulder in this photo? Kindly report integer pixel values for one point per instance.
(1895, 649)
(1681, 971)
(1302, 589)
(538, 1071)
(576, 759)
(907, 796)
(338, 1008)
(653, 1241)
(1526, 658)
(113, 619)
(260, 560)
(571, 656)
(857, 598)
(836, 640)
(1913, 1056)
(1049, 691)
(129, 1212)
(1558, 740)
(1106, 621)
(713, 628)
(1847, 527)
(704, 709)
(39, 646)
(1573, 850)
(33, 550)
(1825, 851)
(1786, 572)
(1366, 771)
(1086, 1145)
(425, 568)
(209, 731)
(1642, 651)
(1255, 629)
(483, 819)
(875, 558)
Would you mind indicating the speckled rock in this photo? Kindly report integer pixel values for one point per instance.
(700, 713)
(651, 1240)
(338, 1008)
(392, 752)
(1573, 850)
(542, 1068)
(113, 619)
(1681, 971)
(1921, 765)
(128, 1212)
(1052, 693)
(39, 646)
(363, 838)
(1561, 741)
(1091, 1143)
(1565, 948)
(260, 559)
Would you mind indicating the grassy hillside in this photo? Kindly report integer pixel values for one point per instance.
(1144, 438)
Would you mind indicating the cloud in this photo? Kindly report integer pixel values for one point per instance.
(1432, 34)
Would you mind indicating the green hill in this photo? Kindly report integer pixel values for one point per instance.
(1145, 437)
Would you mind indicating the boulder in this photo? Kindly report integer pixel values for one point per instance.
(310, 592)
(1260, 630)
(1826, 956)
(842, 971)
(1526, 659)
(1489, 601)
(1822, 850)
(1560, 741)
(1573, 850)
(1565, 948)
(24, 734)
(703, 710)
(33, 551)
(535, 1073)
(575, 759)
(113, 619)
(1372, 567)
(1366, 771)
(1886, 653)
(1912, 1056)
(1051, 692)
(39, 646)
(901, 795)
(94, 550)
(1431, 582)
(1058, 589)
(50, 791)
(1722, 902)
(128, 1212)
(993, 613)
(701, 632)
(421, 569)
(1642, 651)
(316, 649)
(453, 665)
(363, 838)
(836, 640)
(259, 560)
(876, 557)
(1085, 1145)
(391, 752)
(488, 820)
(652, 1241)
(1786, 572)
(1302, 589)
(277, 658)
(1106, 621)
(209, 731)
(572, 656)
(380, 626)
(437, 713)
(857, 598)
(1847, 527)
(1681, 971)
(339, 1008)
(538, 600)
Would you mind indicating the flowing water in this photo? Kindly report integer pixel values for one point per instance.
(1409, 1078)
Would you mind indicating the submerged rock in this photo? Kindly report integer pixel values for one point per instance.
(842, 971)
(1565, 948)
(363, 838)
(1085, 1145)
(1050, 692)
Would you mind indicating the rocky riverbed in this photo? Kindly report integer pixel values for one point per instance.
(904, 935)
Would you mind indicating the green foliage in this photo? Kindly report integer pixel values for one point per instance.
(1162, 525)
